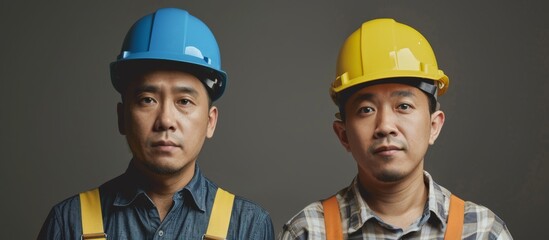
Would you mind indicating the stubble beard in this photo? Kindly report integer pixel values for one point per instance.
(389, 176)
(163, 170)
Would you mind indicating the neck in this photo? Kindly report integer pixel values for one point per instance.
(398, 203)
(161, 187)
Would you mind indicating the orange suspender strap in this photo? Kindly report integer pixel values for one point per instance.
(220, 216)
(332, 219)
(92, 219)
(454, 227)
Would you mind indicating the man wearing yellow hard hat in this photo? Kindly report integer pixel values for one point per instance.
(386, 88)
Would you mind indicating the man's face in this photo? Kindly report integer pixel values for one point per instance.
(388, 129)
(166, 118)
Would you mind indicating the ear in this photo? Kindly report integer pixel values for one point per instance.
(212, 121)
(339, 129)
(437, 121)
(121, 122)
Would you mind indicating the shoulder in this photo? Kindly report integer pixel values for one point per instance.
(67, 208)
(483, 222)
(250, 221)
(241, 206)
(479, 222)
(308, 221)
(62, 217)
(245, 207)
(70, 207)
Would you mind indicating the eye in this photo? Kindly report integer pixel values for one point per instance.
(404, 106)
(147, 100)
(184, 101)
(365, 110)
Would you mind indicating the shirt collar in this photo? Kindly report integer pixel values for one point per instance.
(360, 212)
(131, 189)
(196, 189)
(439, 200)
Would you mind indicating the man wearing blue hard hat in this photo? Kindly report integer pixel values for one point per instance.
(168, 74)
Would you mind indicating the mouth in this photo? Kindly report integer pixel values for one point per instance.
(386, 150)
(165, 145)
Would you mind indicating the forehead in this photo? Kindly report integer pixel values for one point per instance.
(386, 91)
(166, 80)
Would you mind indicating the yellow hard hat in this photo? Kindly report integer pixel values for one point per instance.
(383, 49)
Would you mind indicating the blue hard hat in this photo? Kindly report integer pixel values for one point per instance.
(170, 38)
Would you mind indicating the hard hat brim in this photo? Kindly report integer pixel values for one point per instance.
(123, 71)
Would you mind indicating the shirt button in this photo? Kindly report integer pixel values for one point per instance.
(161, 233)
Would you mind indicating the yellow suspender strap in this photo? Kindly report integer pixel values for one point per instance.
(454, 227)
(92, 220)
(332, 219)
(220, 216)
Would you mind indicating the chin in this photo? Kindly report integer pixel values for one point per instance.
(164, 166)
(164, 170)
(390, 176)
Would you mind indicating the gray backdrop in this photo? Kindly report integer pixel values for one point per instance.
(274, 143)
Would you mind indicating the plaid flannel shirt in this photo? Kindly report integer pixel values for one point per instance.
(360, 222)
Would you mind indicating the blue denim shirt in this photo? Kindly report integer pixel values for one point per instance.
(128, 213)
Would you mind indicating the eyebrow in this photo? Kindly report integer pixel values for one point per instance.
(364, 97)
(146, 88)
(156, 89)
(186, 90)
(403, 93)
(371, 96)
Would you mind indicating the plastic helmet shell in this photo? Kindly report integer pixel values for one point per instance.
(172, 36)
(384, 49)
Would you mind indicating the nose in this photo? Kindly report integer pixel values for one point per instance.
(385, 124)
(165, 120)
